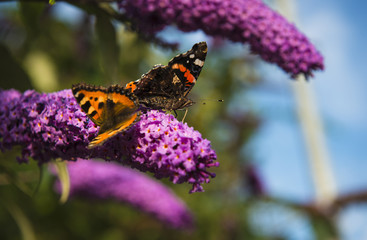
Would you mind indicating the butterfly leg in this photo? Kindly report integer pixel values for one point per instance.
(185, 115)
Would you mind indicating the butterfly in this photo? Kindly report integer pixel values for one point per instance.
(113, 109)
(167, 87)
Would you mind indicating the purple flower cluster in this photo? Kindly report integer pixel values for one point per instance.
(107, 180)
(248, 21)
(49, 126)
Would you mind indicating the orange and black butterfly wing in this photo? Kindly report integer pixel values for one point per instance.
(117, 113)
(159, 81)
(131, 86)
(91, 100)
(120, 113)
(187, 66)
(167, 87)
(175, 80)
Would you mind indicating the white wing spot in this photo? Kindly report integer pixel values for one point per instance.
(192, 56)
(199, 62)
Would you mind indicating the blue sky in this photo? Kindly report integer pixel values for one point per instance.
(340, 94)
(338, 30)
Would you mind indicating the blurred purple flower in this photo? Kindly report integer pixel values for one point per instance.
(49, 126)
(248, 21)
(107, 180)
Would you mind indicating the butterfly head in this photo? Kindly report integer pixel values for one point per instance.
(183, 103)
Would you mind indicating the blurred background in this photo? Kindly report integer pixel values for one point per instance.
(264, 187)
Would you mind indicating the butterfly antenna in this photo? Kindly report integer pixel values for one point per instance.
(210, 100)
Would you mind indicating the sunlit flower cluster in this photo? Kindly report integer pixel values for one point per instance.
(49, 126)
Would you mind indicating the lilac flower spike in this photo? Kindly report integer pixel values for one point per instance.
(107, 180)
(49, 126)
(248, 21)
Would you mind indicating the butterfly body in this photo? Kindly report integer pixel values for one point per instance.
(162, 102)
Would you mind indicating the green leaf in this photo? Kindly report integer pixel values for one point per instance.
(52, 2)
(42, 71)
(21, 220)
(63, 174)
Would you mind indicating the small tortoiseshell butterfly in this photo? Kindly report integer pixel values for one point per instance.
(113, 109)
(167, 87)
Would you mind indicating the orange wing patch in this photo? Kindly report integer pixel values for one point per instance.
(189, 77)
(187, 74)
(92, 103)
(123, 126)
(113, 109)
(118, 98)
(131, 86)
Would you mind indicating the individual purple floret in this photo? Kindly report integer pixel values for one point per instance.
(49, 126)
(107, 180)
(248, 21)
